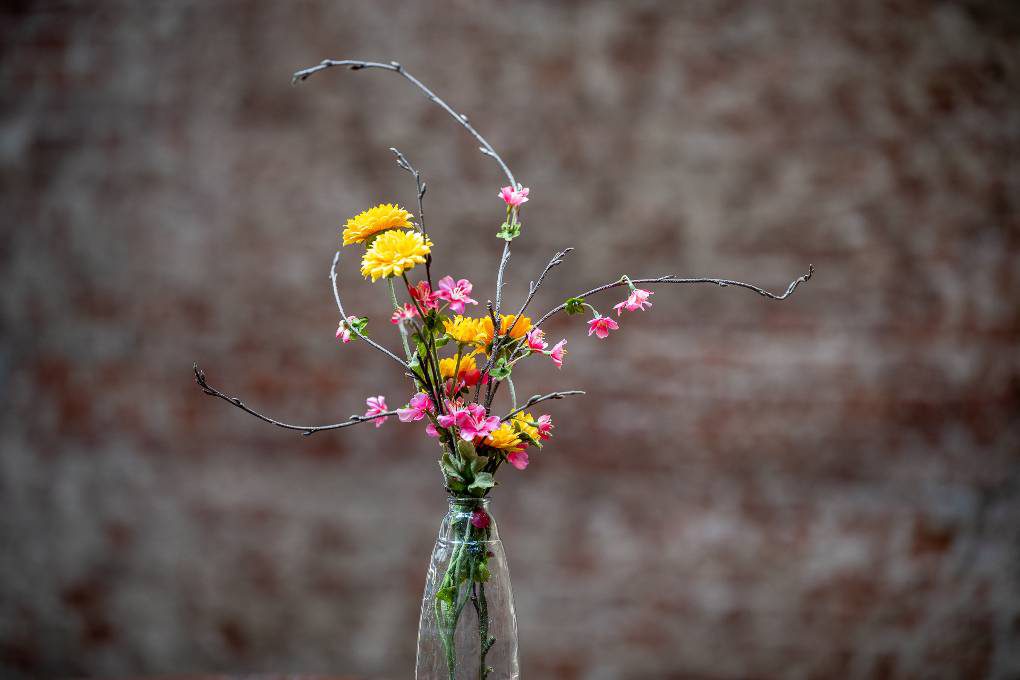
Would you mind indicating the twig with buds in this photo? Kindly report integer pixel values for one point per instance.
(303, 429)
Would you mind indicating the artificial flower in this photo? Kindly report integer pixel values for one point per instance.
(536, 340)
(456, 293)
(479, 518)
(557, 353)
(519, 459)
(404, 313)
(377, 405)
(601, 325)
(463, 329)
(453, 411)
(416, 409)
(523, 423)
(448, 365)
(366, 224)
(343, 331)
(545, 426)
(637, 300)
(424, 296)
(504, 438)
(514, 197)
(473, 422)
(520, 329)
(394, 252)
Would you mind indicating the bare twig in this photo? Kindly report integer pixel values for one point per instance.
(556, 260)
(503, 261)
(421, 187)
(673, 279)
(356, 65)
(343, 317)
(541, 397)
(303, 429)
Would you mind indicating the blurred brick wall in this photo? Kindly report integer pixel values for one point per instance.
(824, 487)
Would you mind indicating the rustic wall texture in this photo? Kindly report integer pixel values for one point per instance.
(826, 487)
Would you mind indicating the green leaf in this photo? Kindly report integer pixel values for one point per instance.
(481, 574)
(501, 371)
(527, 437)
(479, 463)
(482, 481)
(508, 231)
(450, 468)
(575, 305)
(447, 594)
(466, 450)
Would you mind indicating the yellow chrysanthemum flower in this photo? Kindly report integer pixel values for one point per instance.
(393, 253)
(504, 437)
(522, 422)
(385, 216)
(520, 329)
(463, 329)
(449, 365)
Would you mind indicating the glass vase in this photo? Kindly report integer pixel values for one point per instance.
(468, 629)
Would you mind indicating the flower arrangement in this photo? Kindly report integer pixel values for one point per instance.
(458, 354)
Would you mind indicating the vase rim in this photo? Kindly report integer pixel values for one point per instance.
(468, 500)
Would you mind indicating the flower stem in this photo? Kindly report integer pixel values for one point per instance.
(400, 323)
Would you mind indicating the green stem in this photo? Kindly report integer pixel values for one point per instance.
(513, 392)
(400, 324)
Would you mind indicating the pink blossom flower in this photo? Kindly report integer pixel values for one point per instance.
(431, 430)
(536, 340)
(637, 300)
(479, 518)
(423, 295)
(377, 405)
(419, 405)
(456, 293)
(453, 411)
(470, 419)
(343, 331)
(518, 458)
(545, 426)
(514, 197)
(557, 353)
(404, 313)
(601, 325)
(474, 423)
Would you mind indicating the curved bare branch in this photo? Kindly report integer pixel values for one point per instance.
(673, 279)
(303, 429)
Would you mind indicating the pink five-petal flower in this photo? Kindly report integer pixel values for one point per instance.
(514, 197)
(479, 518)
(377, 405)
(423, 295)
(601, 325)
(557, 353)
(453, 412)
(419, 405)
(404, 313)
(518, 458)
(536, 340)
(474, 423)
(545, 426)
(343, 331)
(431, 430)
(456, 293)
(637, 300)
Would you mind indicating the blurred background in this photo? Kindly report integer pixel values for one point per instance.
(824, 487)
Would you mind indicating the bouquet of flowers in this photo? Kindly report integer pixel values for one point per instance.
(458, 355)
